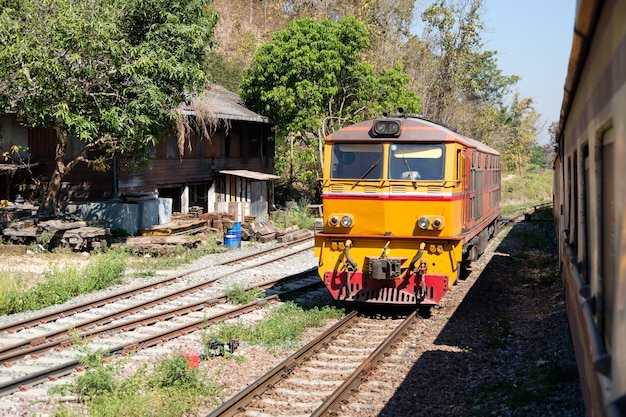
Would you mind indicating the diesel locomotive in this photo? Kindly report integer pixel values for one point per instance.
(406, 202)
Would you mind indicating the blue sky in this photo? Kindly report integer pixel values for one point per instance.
(533, 39)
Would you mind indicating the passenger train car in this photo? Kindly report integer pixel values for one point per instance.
(405, 202)
(590, 202)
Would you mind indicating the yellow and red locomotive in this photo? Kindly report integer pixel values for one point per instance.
(405, 202)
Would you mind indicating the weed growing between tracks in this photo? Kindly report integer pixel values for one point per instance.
(282, 328)
(169, 388)
(239, 295)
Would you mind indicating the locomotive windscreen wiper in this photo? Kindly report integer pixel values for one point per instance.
(374, 165)
(409, 168)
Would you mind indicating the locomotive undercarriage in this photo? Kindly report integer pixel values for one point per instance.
(416, 289)
(387, 279)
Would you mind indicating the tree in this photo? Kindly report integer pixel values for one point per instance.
(520, 133)
(312, 81)
(110, 73)
(459, 82)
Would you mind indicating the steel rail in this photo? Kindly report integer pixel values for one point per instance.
(28, 381)
(334, 401)
(240, 400)
(63, 338)
(99, 302)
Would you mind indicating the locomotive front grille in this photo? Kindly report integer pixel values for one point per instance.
(398, 189)
(370, 189)
(434, 188)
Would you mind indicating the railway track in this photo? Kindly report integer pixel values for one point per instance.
(321, 377)
(41, 348)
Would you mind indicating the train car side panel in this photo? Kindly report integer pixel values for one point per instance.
(589, 202)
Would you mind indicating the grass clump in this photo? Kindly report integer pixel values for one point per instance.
(298, 215)
(170, 388)
(239, 295)
(534, 187)
(61, 284)
(283, 326)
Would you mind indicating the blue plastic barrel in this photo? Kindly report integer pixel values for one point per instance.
(232, 240)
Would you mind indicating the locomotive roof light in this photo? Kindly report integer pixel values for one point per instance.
(423, 222)
(437, 223)
(333, 220)
(386, 128)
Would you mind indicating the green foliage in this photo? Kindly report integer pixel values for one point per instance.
(519, 134)
(282, 326)
(456, 76)
(239, 295)
(172, 388)
(312, 79)
(60, 285)
(530, 188)
(110, 73)
(175, 372)
(297, 215)
(99, 376)
(225, 73)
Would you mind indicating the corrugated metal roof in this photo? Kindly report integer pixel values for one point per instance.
(260, 176)
(226, 105)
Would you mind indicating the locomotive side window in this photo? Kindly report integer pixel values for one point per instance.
(351, 161)
(416, 162)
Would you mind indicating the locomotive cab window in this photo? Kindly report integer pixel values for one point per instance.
(357, 161)
(416, 162)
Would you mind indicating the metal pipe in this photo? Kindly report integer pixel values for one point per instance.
(416, 258)
(346, 253)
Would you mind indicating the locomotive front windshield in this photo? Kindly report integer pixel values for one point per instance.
(357, 161)
(406, 161)
(416, 162)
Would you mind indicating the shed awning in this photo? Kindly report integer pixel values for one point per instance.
(13, 168)
(253, 175)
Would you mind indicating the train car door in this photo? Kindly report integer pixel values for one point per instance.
(468, 191)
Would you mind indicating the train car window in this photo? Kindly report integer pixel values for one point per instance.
(608, 280)
(587, 238)
(416, 162)
(352, 161)
(573, 202)
(459, 165)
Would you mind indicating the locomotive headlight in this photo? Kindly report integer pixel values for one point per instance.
(437, 223)
(346, 221)
(423, 222)
(333, 221)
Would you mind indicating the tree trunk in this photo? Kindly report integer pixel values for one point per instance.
(49, 203)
